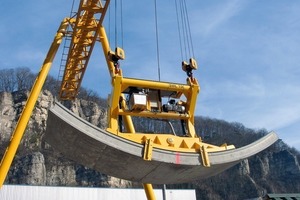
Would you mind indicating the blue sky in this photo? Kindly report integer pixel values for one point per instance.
(248, 53)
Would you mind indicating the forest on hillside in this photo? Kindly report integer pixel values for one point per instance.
(22, 79)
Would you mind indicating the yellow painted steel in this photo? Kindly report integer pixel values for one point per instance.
(174, 143)
(190, 91)
(149, 191)
(106, 49)
(148, 149)
(114, 104)
(204, 156)
(120, 84)
(25, 116)
(89, 18)
(126, 82)
(162, 115)
(127, 118)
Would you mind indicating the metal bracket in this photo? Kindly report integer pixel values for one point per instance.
(204, 156)
(148, 149)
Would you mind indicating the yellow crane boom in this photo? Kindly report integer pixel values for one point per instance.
(90, 16)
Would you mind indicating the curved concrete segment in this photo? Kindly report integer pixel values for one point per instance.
(97, 149)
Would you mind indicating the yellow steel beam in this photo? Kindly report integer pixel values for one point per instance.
(35, 91)
(172, 142)
(183, 88)
(114, 105)
(149, 191)
(160, 115)
(127, 118)
(106, 49)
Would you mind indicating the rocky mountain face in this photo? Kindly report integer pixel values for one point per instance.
(275, 170)
(36, 163)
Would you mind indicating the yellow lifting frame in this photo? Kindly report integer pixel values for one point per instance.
(120, 84)
(29, 106)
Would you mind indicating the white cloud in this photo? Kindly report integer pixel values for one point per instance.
(215, 15)
(279, 109)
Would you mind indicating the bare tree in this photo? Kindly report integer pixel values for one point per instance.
(51, 84)
(91, 95)
(7, 80)
(23, 78)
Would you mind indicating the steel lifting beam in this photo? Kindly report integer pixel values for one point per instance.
(29, 106)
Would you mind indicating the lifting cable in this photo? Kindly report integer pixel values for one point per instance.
(189, 30)
(118, 23)
(122, 31)
(116, 29)
(184, 30)
(179, 30)
(157, 40)
(109, 22)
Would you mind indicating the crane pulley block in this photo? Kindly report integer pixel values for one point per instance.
(119, 54)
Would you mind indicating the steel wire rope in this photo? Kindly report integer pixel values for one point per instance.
(189, 30)
(113, 13)
(122, 28)
(109, 22)
(157, 40)
(116, 22)
(178, 29)
(184, 30)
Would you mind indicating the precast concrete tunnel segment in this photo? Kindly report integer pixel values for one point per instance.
(98, 149)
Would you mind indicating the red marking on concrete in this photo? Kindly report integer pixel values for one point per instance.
(177, 161)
